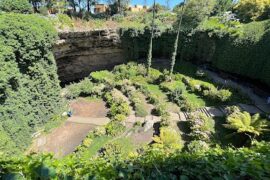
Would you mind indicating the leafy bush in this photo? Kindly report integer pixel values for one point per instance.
(188, 106)
(119, 117)
(119, 108)
(243, 122)
(129, 71)
(201, 126)
(153, 75)
(16, 6)
(140, 110)
(63, 21)
(176, 96)
(161, 109)
(252, 10)
(208, 90)
(153, 162)
(29, 96)
(198, 146)
(83, 88)
(168, 138)
(102, 76)
(165, 120)
(114, 128)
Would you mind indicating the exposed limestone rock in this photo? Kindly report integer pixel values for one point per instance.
(79, 53)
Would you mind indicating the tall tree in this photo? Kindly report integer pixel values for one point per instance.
(252, 10)
(173, 59)
(223, 6)
(196, 11)
(149, 56)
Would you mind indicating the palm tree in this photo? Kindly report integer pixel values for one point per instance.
(149, 56)
(243, 122)
(177, 39)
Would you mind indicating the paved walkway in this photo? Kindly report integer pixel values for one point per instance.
(89, 120)
(259, 102)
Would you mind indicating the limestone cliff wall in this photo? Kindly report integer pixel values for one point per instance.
(77, 54)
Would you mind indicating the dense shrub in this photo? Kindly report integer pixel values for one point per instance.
(229, 46)
(208, 90)
(29, 86)
(198, 146)
(252, 10)
(102, 76)
(16, 6)
(130, 70)
(201, 126)
(252, 163)
(83, 88)
(168, 138)
(114, 128)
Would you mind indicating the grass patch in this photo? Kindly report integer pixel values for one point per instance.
(155, 89)
(96, 145)
(126, 145)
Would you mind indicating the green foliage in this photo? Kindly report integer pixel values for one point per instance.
(198, 146)
(152, 163)
(114, 128)
(208, 90)
(250, 10)
(153, 75)
(62, 21)
(201, 126)
(102, 76)
(138, 102)
(119, 108)
(128, 71)
(29, 96)
(196, 11)
(161, 109)
(168, 138)
(243, 122)
(176, 96)
(16, 6)
(223, 6)
(83, 88)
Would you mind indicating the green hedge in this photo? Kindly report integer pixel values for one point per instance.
(243, 163)
(29, 86)
(16, 6)
(235, 48)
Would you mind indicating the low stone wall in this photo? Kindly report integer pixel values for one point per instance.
(78, 54)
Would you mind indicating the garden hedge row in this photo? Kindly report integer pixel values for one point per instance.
(154, 163)
(29, 86)
(246, 54)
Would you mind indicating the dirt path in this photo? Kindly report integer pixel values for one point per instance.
(64, 140)
(87, 114)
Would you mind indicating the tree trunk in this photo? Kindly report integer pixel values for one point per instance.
(149, 56)
(88, 5)
(173, 59)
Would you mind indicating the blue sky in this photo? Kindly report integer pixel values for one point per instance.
(150, 2)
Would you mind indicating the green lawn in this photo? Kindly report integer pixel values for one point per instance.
(155, 89)
(96, 145)
(191, 97)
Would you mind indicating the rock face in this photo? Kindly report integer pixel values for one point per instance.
(78, 54)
